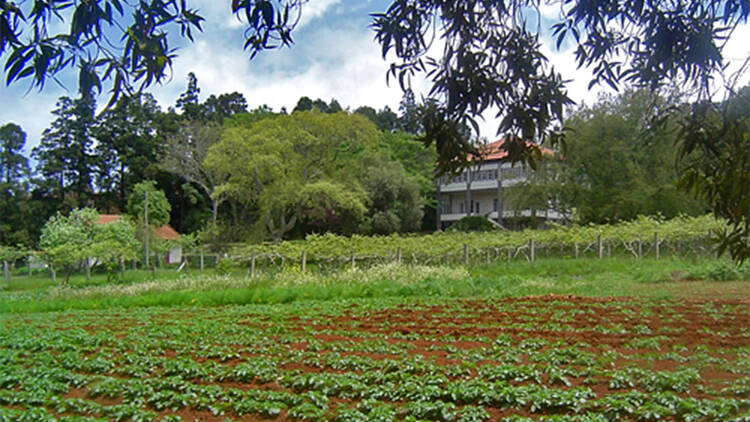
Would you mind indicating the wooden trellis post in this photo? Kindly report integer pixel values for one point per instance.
(251, 270)
(303, 261)
(599, 246)
(532, 250)
(398, 255)
(656, 245)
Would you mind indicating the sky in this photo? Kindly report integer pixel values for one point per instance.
(334, 56)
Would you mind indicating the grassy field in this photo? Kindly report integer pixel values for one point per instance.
(557, 340)
(617, 276)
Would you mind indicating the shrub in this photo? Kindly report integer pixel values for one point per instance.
(473, 223)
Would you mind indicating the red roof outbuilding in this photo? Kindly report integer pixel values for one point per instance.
(165, 232)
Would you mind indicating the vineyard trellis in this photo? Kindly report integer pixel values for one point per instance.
(643, 237)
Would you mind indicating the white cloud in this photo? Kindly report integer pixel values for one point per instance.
(314, 10)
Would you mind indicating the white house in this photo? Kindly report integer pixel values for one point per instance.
(479, 191)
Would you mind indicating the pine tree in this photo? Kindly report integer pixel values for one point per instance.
(65, 157)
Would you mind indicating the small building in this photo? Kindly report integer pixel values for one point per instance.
(165, 232)
(479, 191)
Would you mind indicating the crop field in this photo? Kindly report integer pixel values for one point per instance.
(551, 357)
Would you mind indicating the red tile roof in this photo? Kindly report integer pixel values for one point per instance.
(494, 151)
(165, 232)
(107, 218)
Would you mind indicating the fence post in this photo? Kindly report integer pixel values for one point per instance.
(28, 262)
(576, 250)
(640, 249)
(466, 254)
(201, 259)
(303, 261)
(532, 250)
(656, 245)
(6, 273)
(398, 255)
(352, 261)
(599, 245)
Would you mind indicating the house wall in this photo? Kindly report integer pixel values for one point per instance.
(175, 255)
(484, 191)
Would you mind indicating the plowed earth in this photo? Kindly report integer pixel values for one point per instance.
(535, 358)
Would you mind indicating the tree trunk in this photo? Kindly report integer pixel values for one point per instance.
(214, 212)
(53, 274)
(6, 273)
(88, 269)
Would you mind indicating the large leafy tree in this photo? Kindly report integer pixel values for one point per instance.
(395, 203)
(148, 204)
(149, 207)
(617, 164)
(295, 167)
(185, 154)
(68, 241)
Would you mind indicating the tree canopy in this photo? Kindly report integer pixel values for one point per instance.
(67, 240)
(489, 55)
(294, 167)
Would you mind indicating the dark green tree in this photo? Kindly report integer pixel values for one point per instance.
(128, 146)
(65, 156)
(304, 104)
(617, 165)
(14, 180)
(409, 119)
(188, 102)
(387, 120)
(368, 112)
(216, 109)
(715, 150)
(13, 165)
(395, 203)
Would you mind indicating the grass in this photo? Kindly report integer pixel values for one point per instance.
(615, 276)
(41, 280)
